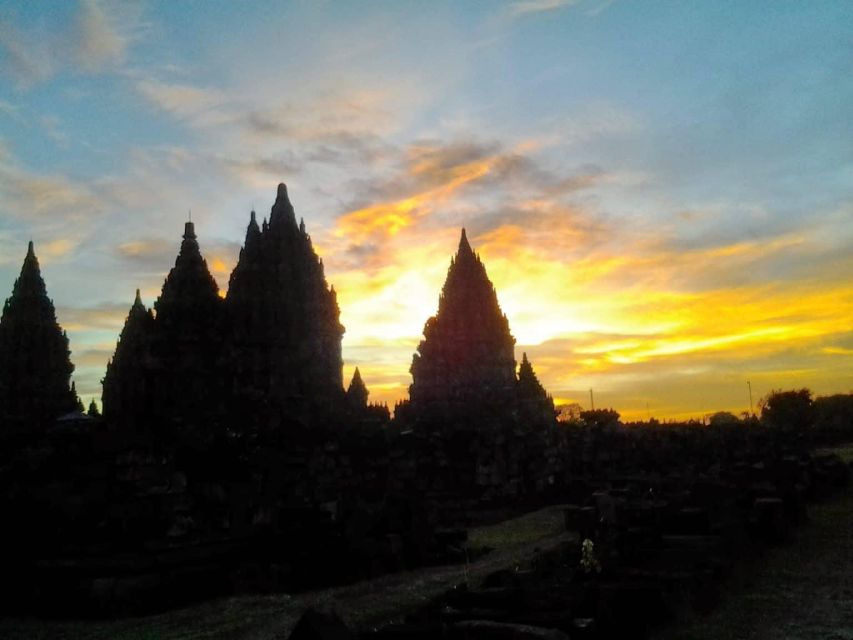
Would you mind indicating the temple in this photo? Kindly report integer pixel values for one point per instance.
(268, 354)
(35, 377)
(481, 431)
(465, 365)
(285, 333)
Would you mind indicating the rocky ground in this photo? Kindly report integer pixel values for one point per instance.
(799, 591)
(364, 604)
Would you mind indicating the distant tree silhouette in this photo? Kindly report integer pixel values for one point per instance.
(723, 418)
(834, 414)
(600, 417)
(789, 410)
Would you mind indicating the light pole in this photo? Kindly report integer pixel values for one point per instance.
(749, 384)
(591, 401)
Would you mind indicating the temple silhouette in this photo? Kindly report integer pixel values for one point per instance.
(231, 458)
(227, 430)
(466, 361)
(35, 376)
(268, 354)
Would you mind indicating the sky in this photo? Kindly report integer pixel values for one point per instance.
(661, 192)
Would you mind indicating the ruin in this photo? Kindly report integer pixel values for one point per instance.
(284, 340)
(35, 386)
(230, 458)
(268, 354)
(466, 356)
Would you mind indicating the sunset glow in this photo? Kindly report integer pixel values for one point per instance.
(665, 210)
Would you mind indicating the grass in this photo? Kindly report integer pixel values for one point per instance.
(515, 542)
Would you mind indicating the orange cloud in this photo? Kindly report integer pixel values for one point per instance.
(389, 218)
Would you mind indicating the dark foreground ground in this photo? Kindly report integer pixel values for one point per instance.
(365, 604)
(801, 590)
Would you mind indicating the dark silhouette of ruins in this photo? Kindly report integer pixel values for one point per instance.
(465, 365)
(230, 457)
(36, 370)
(268, 354)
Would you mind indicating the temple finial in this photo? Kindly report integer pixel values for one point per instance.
(464, 245)
(189, 231)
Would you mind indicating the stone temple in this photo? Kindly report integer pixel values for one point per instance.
(267, 354)
(285, 333)
(466, 364)
(35, 377)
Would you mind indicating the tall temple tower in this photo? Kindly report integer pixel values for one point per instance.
(466, 356)
(285, 340)
(35, 368)
(127, 383)
(169, 366)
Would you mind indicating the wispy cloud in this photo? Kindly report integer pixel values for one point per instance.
(184, 101)
(538, 6)
(26, 60)
(96, 39)
(99, 40)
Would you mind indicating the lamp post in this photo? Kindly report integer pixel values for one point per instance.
(749, 384)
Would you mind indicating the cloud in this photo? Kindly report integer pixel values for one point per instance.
(107, 315)
(95, 39)
(186, 102)
(147, 249)
(25, 193)
(517, 9)
(461, 175)
(26, 60)
(99, 40)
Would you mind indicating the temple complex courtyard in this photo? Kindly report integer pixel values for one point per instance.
(798, 590)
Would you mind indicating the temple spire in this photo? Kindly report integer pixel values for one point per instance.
(467, 351)
(357, 392)
(282, 209)
(464, 246)
(35, 377)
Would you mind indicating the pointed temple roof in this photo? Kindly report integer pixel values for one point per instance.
(529, 386)
(467, 351)
(284, 317)
(34, 378)
(189, 289)
(357, 391)
(135, 333)
(29, 284)
(468, 294)
(282, 210)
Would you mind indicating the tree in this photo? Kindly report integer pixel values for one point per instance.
(834, 413)
(600, 417)
(789, 410)
(569, 412)
(723, 418)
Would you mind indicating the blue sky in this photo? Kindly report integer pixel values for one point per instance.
(661, 190)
